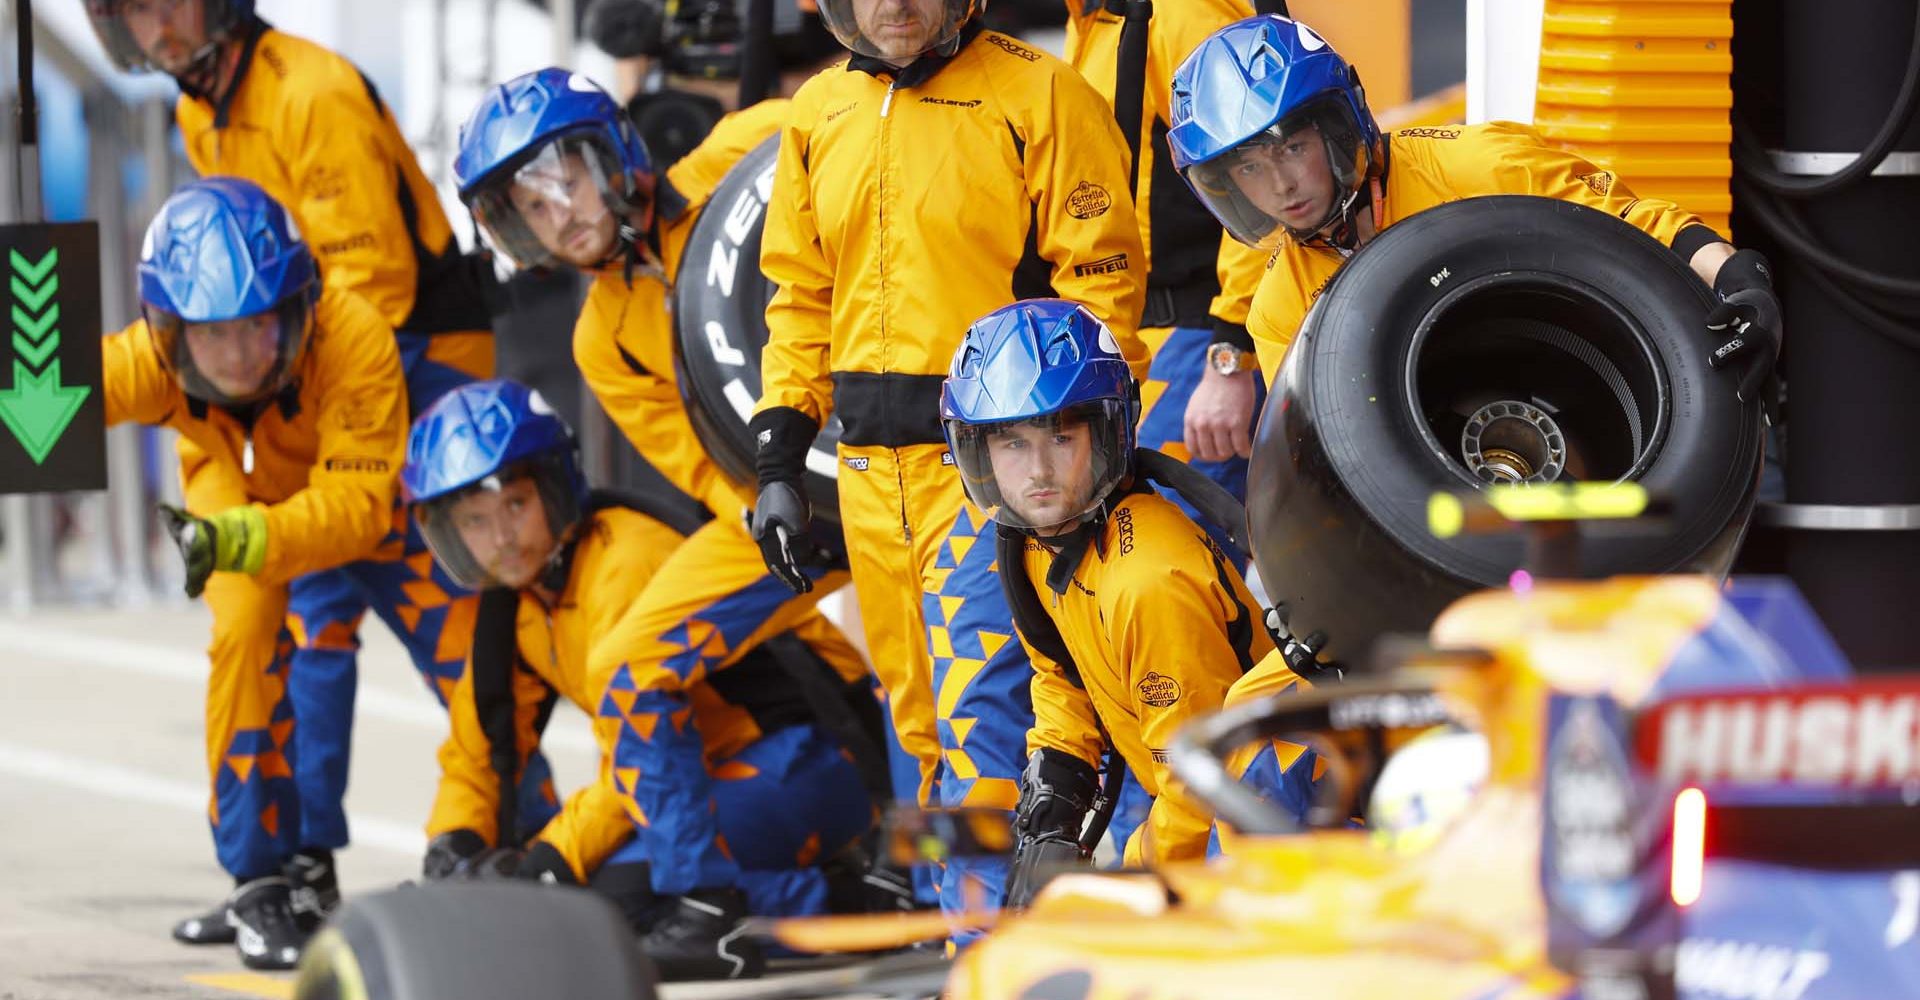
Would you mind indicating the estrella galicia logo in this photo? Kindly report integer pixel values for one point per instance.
(1088, 201)
(1591, 854)
(1158, 690)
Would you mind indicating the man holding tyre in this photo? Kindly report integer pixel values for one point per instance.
(1312, 178)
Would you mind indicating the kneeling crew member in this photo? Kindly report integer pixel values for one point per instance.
(741, 780)
(1136, 619)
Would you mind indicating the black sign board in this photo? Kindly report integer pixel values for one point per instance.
(52, 406)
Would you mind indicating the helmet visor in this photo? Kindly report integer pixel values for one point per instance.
(504, 530)
(114, 35)
(558, 207)
(179, 34)
(897, 31)
(1044, 472)
(232, 362)
(1293, 179)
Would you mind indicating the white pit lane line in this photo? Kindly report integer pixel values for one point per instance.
(173, 663)
(113, 781)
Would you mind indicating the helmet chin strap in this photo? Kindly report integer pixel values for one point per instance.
(631, 250)
(202, 73)
(1341, 233)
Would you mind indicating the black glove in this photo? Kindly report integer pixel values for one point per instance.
(450, 853)
(780, 517)
(1056, 791)
(1746, 323)
(543, 862)
(496, 863)
(780, 523)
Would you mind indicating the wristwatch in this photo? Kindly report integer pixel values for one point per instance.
(1226, 359)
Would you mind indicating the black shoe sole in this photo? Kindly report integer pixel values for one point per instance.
(205, 929)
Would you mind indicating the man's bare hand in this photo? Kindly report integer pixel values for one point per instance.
(1219, 418)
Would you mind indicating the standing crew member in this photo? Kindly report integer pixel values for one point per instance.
(740, 783)
(309, 128)
(288, 395)
(942, 171)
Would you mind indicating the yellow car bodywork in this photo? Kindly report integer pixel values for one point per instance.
(1331, 913)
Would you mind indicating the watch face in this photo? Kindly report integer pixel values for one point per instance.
(1225, 358)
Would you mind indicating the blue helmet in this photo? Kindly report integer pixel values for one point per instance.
(222, 18)
(221, 249)
(483, 436)
(1027, 378)
(539, 131)
(1247, 105)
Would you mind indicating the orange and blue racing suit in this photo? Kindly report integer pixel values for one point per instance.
(713, 770)
(322, 459)
(308, 127)
(1157, 625)
(713, 598)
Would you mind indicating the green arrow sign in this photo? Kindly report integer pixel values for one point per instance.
(38, 408)
(53, 413)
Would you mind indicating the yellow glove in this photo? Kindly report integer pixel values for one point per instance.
(233, 541)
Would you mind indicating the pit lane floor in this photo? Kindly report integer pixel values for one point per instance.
(103, 833)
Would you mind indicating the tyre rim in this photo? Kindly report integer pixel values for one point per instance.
(1535, 380)
(1513, 442)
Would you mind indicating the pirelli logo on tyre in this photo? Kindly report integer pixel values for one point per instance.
(1105, 265)
(1088, 201)
(1158, 690)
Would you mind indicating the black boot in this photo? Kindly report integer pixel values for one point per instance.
(315, 888)
(266, 932)
(702, 938)
(211, 927)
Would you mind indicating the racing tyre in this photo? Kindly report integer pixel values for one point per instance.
(476, 940)
(1497, 339)
(720, 307)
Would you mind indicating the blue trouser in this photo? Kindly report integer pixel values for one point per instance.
(983, 701)
(430, 614)
(712, 600)
(786, 802)
(1178, 364)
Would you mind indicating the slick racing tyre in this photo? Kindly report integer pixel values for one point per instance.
(1501, 339)
(720, 307)
(475, 940)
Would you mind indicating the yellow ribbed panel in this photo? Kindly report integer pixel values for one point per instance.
(1643, 87)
